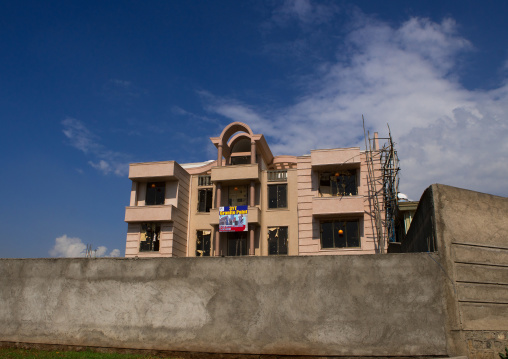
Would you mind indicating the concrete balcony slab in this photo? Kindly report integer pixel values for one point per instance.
(163, 213)
(327, 206)
(236, 173)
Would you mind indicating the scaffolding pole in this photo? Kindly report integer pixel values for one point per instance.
(373, 192)
(389, 168)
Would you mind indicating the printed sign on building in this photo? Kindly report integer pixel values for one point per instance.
(233, 219)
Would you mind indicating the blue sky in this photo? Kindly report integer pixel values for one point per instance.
(87, 87)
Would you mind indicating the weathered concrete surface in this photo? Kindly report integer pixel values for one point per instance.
(470, 232)
(370, 305)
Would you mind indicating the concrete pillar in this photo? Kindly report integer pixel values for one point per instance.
(252, 194)
(251, 240)
(218, 195)
(217, 242)
(219, 156)
(134, 194)
(253, 152)
(376, 141)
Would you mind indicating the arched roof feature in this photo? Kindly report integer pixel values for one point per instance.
(233, 128)
(245, 132)
(236, 139)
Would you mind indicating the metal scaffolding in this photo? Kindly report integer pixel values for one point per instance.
(385, 185)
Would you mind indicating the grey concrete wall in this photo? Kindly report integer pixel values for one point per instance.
(471, 233)
(371, 305)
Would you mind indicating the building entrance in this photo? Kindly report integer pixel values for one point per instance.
(237, 244)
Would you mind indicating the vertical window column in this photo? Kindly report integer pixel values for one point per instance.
(217, 242)
(219, 155)
(253, 152)
(218, 194)
(251, 240)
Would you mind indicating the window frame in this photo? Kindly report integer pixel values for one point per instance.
(207, 197)
(152, 241)
(151, 197)
(239, 238)
(231, 190)
(281, 230)
(205, 252)
(346, 226)
(269, 194)
(343, 177)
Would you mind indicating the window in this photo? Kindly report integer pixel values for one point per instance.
(155, 193)
(150, 237)
(277, 196)
(205, 180)
(340, 234)
(237, 244)
(277, 240)
(203, 243)
(277, 176)
(205, 197)
(240, 160)
(338, 183)
(238, 196)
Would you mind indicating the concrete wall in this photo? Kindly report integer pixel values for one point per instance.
(470, 230)
(371, 305)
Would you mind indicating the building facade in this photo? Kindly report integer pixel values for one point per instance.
(250, 202)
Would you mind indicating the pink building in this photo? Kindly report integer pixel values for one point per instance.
(250, 202)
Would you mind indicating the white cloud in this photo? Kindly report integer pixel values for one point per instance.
(84, 140)
(115, 253)
(73, 247)
(405, 76)
(305, 12)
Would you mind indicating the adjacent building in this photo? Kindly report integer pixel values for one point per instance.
(250, 202)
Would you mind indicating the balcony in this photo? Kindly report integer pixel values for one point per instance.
(253, 216)
(149, 213)
(339, 156)
(236, 173)
(326, 206)
(153, 170)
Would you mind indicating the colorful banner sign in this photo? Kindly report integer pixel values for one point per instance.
(233, 219)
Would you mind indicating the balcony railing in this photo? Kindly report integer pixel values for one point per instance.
(204, 180)
(277, 176)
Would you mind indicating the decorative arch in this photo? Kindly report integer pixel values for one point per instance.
(237, 138)
(228, 139)
(233, 128)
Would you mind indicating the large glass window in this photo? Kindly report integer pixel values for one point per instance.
(155, 193)
(277, 240)
(338, 183)
(340, 234)
(205, 197)
(150, 237)
(238, 196)
(277, 196)
(203, 243)
(240, 160)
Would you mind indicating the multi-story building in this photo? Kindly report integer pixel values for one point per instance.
(315, 204)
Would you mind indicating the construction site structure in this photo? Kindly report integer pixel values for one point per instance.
(387, 185)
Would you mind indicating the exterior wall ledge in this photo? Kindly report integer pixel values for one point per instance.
(153, 170)
(338, 156)
(236, 173)
(149, 213)
(325, 206)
